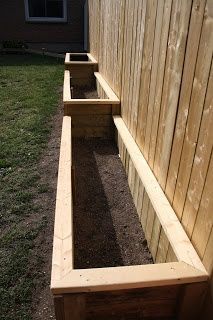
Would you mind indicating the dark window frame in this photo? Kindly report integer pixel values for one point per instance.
(46, 19)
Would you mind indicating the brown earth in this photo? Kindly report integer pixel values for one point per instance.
(107, 231)
(80, 92)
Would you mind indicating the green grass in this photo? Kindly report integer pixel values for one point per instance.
(29, 94)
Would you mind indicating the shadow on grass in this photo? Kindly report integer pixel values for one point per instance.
(28, 59)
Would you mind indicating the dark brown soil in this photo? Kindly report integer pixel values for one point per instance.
(84, 92)
(107, 231)
(79, 58)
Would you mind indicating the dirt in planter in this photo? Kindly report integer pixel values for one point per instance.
(107, 231)
(80, 92)
(79, 57)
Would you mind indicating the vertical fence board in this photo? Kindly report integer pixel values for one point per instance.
(155, 237)
(172, 80)
(154, 74)
(159, 81)
(195, 110)
(204, 223)
(163, 247)
(196, 22)
(146, 71)
(201, 163)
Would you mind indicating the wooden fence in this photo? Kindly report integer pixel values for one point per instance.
(157, 57)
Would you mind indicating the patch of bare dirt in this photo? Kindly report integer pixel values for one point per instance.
(80, 92)
(107, 231)
(42, 307)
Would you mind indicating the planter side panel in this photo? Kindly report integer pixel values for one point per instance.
(82, 74)
(157, 240)
(101, 93)
(181, 302)
(91, 120)
(146, 303)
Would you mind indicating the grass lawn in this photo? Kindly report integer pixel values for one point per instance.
(29, 94)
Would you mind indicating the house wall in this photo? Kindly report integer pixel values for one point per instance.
(56, 36)
(157, 57)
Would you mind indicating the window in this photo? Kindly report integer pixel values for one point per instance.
(46, 10)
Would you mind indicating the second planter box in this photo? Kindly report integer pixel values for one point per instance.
(91, 106)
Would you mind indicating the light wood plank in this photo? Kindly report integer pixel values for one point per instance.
(170, 223)
(154, 74)
(110, 93)
(62, 260)
(204, 221)
(155, 236)
(163, 247)
(159, 80)
(171, 86)
(146, 71)
(207, 257)
(149, 224)
(66, 88)
(201, 77)
(193, 40)
(118, 278)
(200, 164)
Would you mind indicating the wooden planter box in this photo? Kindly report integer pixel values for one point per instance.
(82, 67)
(91, 117)
(172, 288)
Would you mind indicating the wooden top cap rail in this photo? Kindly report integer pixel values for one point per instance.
(179, 241)
(109, 92)
(66, 88)
(130, 277)
(112, 98)
(62, 260)
(91, 58)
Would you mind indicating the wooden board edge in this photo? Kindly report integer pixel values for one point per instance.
(66, 88)
(90, 101)
(128, 277)
(175, 233)
(62, 258)
(108, 90)
(76, 63)
(90, 56)
(67, 57)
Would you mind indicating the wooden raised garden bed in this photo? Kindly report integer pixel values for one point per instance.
(172, 288)
(175, 285)
(82, 67)
(92, 110)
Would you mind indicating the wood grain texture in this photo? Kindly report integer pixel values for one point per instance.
(166, 215)
(128, 277)
(201, 78)
(59, 307)
(193, 40)
(156, 56)
(172, 81)
(62, 260)
(191, 301)
(200, 165)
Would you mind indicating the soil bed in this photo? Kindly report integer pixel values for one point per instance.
(107, 231)
(79, 57)
(80, 92)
